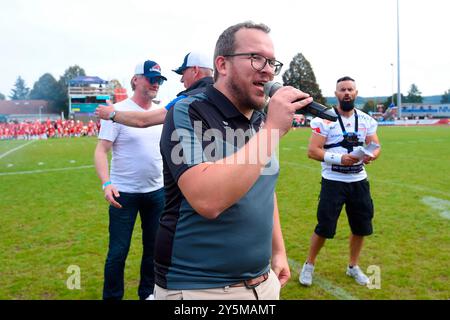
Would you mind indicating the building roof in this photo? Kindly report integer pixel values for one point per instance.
(24, 107)
(82, 80)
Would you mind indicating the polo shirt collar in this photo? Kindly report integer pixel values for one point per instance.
(227, 108)
(224, 105)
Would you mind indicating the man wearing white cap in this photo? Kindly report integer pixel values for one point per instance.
(135, 183)
(196, 71)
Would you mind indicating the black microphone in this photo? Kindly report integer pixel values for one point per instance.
(314, 108)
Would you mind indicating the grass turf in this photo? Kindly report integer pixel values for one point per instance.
(53, 215)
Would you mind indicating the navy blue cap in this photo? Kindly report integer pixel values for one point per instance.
(149, 69)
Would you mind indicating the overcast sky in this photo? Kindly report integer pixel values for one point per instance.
(347, 37)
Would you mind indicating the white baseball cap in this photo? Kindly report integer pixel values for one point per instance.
(193, 59)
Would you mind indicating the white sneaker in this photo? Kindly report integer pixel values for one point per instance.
(150, 297)
(358, 275)
(306, 275)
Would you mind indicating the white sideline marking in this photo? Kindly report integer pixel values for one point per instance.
(15, 149)
(438, 204)
(46, 170)
(326, 285)
(413, 187)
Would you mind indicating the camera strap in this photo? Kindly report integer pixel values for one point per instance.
(342, 123)
(344, 132)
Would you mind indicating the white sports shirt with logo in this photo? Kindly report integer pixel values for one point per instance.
(367, 126)
(136, 163)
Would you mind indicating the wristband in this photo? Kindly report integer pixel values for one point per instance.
(332, 158)
(107, 183)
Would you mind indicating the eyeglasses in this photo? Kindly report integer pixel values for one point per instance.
(259, 62)
(154, 80)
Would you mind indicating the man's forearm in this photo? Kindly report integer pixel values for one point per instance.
(101, 165)
(141, 119)
(316, 153)
(277, 235)
(230, 178)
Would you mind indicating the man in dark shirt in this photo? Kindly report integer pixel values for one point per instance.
(220, 235)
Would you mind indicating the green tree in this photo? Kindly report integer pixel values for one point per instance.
(369, 106)
(2, 96)
(70, 73)
(20, 90)
(300, 75)
(414, 95)
(62, 102)
(388, 101)
(114, 84)
(446, 97)
(46, 88)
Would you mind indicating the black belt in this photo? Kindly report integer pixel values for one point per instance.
(252, 283)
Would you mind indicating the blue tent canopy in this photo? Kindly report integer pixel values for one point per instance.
(86, 80)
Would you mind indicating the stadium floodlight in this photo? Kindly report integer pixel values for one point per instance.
(393, 86)
(399, 95)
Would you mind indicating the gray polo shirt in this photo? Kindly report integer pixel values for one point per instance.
(192, 252)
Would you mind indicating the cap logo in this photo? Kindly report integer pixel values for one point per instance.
(155, 68)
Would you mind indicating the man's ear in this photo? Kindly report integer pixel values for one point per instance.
(196, 69)
(221, 65)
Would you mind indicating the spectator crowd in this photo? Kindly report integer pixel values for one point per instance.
(35, 130)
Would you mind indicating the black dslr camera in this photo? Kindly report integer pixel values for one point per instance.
(350, 141)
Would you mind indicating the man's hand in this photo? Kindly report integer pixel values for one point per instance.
(349, 160)
(103, 111)
(282, 108)
(368, 159)
(280, 266)
(111, 192)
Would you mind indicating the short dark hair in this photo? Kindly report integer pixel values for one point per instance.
(346, 78)
(226, 42)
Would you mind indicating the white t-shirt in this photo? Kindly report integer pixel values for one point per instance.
(136, 164)
(367, 126)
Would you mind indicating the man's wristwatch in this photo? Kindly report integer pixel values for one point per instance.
(112, 115)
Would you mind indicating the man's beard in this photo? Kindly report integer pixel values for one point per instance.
(347, 105)
(243, 98)
(149, 94)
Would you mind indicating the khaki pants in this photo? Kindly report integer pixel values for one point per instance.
(267, 290)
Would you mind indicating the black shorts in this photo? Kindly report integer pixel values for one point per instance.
(358, 205)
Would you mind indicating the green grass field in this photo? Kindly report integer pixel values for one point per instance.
(53, 215)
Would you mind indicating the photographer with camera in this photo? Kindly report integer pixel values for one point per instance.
(344, 179)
